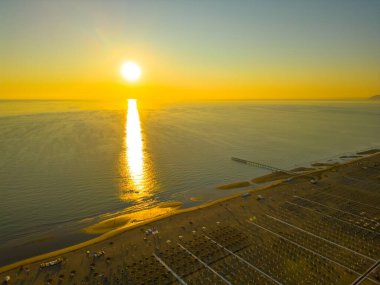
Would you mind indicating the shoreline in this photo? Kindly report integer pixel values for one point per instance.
(112, 233)
(121, 230)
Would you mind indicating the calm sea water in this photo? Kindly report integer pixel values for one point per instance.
(65, 164)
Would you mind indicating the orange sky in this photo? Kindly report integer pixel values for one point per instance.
(190, 51)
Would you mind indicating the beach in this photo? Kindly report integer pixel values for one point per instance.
(319, 227)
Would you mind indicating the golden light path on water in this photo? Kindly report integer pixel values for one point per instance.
(136, 168)
(133, 160)
(138, 181)
(134, 146)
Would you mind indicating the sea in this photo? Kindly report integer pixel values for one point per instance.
(65, 165)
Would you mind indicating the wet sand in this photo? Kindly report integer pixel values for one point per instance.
(126, 220)
(290, 231)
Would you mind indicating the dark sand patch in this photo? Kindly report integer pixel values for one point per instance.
(350, 156)
(317, 164)
(302, 169)
(271, 177)
(234, 185)
(371, 151)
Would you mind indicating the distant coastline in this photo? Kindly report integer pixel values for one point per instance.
(375, 98)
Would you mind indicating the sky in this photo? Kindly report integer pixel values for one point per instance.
(190, 49)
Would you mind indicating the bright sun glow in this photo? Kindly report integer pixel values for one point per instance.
(130, 71)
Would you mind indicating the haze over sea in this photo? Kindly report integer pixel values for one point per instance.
(67, 164)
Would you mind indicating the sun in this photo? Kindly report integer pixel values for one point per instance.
(130, 71)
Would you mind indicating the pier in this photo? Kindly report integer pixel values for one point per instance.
(261, 165)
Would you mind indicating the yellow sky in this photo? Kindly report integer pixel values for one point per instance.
(188, 51)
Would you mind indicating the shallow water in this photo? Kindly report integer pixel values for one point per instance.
(65, 164)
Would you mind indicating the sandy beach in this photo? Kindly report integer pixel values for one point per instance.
(319, 227)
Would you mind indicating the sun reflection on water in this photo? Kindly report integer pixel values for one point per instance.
(135, 168)
(134, 145)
